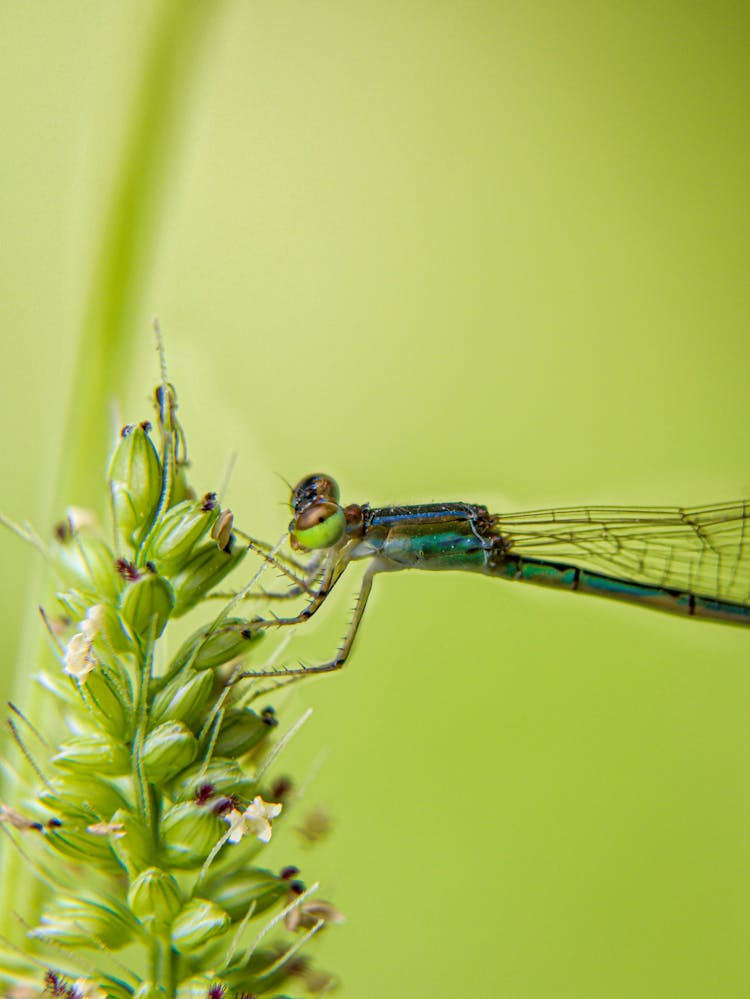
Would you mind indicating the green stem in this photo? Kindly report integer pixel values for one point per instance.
(162, 957)
(162, 960)
(144, 804)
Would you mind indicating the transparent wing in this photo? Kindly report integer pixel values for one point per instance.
(702, 550)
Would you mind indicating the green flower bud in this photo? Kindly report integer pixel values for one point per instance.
(71, 921)
(189, 833)
(179, 530)
(134, 847)
(168, 749)
(86, 564)
(93, 754)
(241, 729)
(211, 647)
(84, 849)
(199, 922)
(135, 480)
(103, 698)
(88, 799)
(155, 896)
(225, 777)
(253, 886)
(184, 699)
(205, 568)
(147, 604)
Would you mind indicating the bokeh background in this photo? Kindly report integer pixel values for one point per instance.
(491, 251)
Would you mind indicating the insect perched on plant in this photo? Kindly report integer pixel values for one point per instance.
(693, 561)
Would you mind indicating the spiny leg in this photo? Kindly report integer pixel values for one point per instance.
(293, 593)
(331, 576)
(305, 584)
(257, 544)
(302, 585)
(346, 646)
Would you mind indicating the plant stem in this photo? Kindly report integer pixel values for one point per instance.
(163, 964)
(143, 800)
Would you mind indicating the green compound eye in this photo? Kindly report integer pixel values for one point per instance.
(321, 525)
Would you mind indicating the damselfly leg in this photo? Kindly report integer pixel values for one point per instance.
(344, 649)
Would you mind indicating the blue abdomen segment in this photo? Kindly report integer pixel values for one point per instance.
(580, 580)
(721, 610)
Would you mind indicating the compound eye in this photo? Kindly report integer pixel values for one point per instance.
(320, 525)
(313, 488)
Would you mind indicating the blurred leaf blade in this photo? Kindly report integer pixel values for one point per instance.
(129, 230)
(150, 154)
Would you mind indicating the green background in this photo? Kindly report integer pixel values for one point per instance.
(495, 252)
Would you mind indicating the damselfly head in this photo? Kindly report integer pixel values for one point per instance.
(319, 521)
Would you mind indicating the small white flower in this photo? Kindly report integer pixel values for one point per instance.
(79, 658)
(254, 821)
(94, 621)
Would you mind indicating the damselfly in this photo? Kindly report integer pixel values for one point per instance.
(693, 561)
